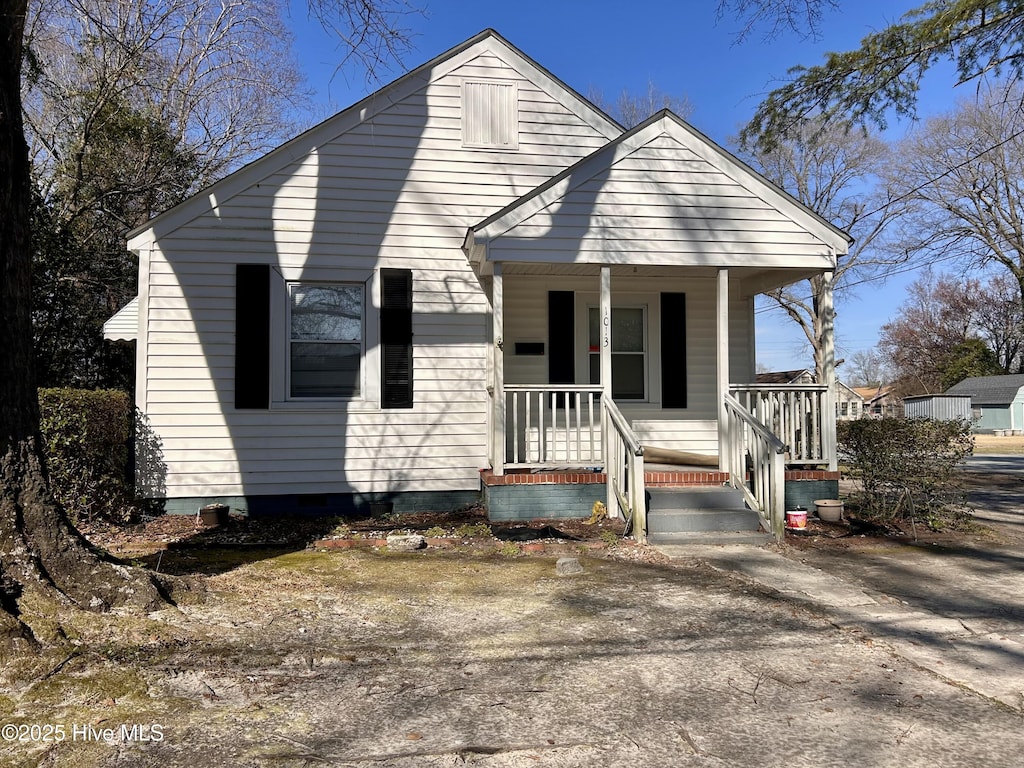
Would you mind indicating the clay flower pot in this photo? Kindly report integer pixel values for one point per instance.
(829, 510)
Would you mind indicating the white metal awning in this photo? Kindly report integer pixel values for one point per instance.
(124, 326)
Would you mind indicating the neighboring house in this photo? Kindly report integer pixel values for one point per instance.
(997, 402)
(849, 404)
(801, 376)
(428, 285)
(880, 402)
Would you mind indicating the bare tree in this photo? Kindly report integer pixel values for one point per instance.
(999, 318)
(866, 368)
(217, 80)
(951, 324)
(42, 557)
(776, 17)
(834, 171)
(965, 171)
(630, 109)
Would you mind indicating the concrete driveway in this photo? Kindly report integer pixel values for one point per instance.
(999, 502)
(955, 609)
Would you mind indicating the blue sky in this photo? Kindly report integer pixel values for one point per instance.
(684, 49)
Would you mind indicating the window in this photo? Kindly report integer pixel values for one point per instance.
(843, 406)
(629, 351)
(325, 344)
(490, 114)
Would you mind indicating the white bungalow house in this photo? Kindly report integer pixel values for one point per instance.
(472, 276)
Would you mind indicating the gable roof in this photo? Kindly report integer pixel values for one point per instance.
(781, 377)
(871, 394)
(602, 161)
(487, 41)
(989, 390)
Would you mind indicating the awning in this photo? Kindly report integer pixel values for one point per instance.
(124, 326)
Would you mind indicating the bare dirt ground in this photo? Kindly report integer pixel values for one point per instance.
(429, 659)
(299, 656)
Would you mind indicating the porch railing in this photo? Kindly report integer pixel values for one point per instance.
(573, 426)
(625, 472)
(798, 414)
(763, 480)
(552, 425)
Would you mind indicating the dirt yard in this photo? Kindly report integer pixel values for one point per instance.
(301, 655)
(363, 658)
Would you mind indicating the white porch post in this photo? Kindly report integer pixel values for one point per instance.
(498, 334)
(610, 454)
(722, 345)
(828, 425)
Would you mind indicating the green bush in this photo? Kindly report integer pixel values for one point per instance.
(86, 435)
(907, 466)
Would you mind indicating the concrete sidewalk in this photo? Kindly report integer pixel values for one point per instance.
(939, 610)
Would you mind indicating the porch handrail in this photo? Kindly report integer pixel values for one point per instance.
(765, 491)
(624, 470)
(799, 414)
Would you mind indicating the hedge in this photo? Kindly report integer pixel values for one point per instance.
(86, 434)
(907, 466)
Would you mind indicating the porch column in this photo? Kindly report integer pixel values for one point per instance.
(722, 359)
(828, 352)
(606, 332)
(611, 500)
(498, 357)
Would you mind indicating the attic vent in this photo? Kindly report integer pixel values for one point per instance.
(490, 114)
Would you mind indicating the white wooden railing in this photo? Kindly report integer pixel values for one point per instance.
(569, 425)
(552, 425)
(625, 472)
(763, 480)
(800, 415)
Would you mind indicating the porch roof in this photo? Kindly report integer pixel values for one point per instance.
(662, 194)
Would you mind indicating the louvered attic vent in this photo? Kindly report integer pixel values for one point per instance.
(490, 114)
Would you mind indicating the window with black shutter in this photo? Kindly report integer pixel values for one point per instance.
(396, 338)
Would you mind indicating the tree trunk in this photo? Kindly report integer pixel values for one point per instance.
(39, 548)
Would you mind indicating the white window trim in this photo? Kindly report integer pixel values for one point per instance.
(369, 399)
(514, 85)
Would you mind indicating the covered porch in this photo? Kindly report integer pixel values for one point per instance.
(622, 322)
(688, 414)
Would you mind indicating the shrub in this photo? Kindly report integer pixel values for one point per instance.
(906, 465)
(86, 435)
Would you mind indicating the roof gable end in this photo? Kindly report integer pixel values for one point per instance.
(306, 143)
(603, 161)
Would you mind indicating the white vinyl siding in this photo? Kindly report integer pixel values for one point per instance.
(660, 204)
(394, 190)
(691, 429)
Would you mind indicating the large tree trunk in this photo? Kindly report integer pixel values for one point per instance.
(39, 549)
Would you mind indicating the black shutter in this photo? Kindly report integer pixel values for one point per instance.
(396, 338)
(673, 350)
(561, 322)
(252, 336)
